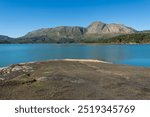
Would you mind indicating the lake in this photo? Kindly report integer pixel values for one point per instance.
(136, 55)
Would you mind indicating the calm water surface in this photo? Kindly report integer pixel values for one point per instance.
(137, 55)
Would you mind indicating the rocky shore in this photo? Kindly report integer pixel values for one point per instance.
(74, 79)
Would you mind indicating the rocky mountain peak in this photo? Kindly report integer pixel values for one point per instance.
(102, 28)
(97, 23)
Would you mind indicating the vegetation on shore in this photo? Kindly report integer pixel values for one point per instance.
(138, 38)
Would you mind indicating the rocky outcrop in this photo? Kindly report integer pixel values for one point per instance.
(103, 28)
(14, 71)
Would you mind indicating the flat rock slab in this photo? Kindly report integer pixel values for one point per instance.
(74, 80)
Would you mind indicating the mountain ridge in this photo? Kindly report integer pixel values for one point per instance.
(96, 32)
(64, 34)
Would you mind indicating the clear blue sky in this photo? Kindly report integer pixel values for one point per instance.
(17, 17)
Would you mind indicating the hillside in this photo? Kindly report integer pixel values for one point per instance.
(59, 34)
(129, 38)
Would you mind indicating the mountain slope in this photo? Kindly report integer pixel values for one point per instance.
(103, 28)
(58, 34)
(129, 38)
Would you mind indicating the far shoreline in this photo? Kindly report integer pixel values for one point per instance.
(80, 43)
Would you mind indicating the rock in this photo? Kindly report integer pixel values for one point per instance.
(42, 78)
(16, 68)
(27, 69)
(1, 78)
(23, 68)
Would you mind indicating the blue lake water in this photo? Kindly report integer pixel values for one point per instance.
(136, 55)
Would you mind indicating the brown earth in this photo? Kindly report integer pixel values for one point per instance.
(74, 80)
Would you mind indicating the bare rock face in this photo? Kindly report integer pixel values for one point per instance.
(102, 28)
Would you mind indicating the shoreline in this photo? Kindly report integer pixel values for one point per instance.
(86, 60)
(1, 68)
(71, 60)
(82, 43)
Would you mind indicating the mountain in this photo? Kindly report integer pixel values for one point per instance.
(58, 34)
(69, 34)
(96, 32)
(5, 39)
(103, 28)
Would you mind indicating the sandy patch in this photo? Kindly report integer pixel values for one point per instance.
(86, 60)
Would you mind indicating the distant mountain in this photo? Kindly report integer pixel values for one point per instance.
(103, 28)
(75, 34)
(96, 32)
(5, 39)
(58, 34)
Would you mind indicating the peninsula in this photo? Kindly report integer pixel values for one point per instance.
(74, 79)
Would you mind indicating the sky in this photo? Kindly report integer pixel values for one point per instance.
(18, 17)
